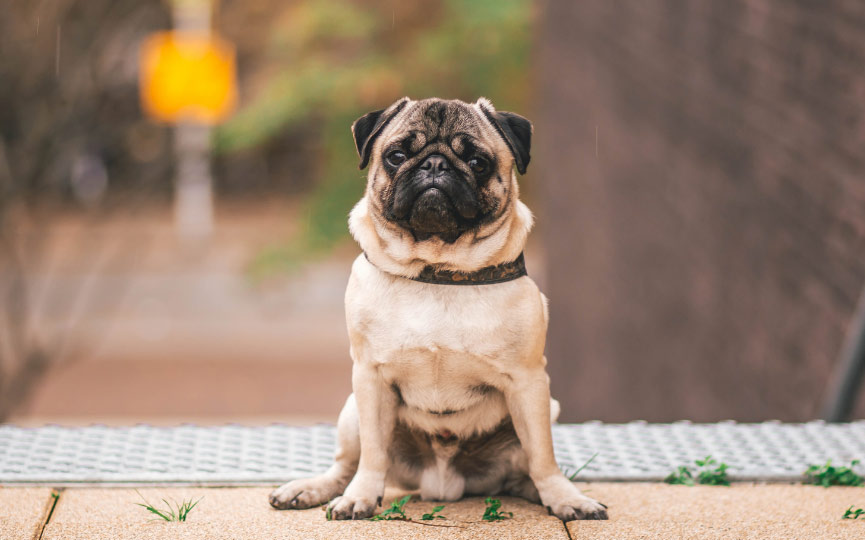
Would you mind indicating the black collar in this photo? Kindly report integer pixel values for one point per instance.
(485, 276)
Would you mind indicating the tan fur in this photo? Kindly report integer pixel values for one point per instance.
(475, 352)
(394, 250)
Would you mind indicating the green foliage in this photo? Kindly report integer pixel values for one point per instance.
(174, 512)
(709, 472)
(853, 514)
(572, 476)
(434, 514)
(395, 512)
(828, 475)
(333, 60)
(491, 512)
(324, 214)
(338, 57)
(681, 476)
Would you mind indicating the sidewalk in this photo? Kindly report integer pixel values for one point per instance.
(637, 510)
(95, 468)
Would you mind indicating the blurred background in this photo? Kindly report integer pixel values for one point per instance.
(698, 179)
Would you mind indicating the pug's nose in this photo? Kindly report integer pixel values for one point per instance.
(435, 163)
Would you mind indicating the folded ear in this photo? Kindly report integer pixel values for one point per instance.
(366, 128)
(514, 129)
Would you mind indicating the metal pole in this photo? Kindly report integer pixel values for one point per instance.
(193, 194)
(193, 191)
(846, 381)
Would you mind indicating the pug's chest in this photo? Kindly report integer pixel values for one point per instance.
(441, 384)
(438, 343)
(436, 332)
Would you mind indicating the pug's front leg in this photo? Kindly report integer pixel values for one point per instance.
(528, 400)
(376, 407)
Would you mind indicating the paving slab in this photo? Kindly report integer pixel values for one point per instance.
(637, 510)
(23, 511)
(752, 511)
(238, 513)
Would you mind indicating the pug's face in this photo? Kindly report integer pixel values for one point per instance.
(441, 168)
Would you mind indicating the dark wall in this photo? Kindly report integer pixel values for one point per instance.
(702, 168)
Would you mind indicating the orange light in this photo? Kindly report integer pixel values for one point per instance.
(187, 76)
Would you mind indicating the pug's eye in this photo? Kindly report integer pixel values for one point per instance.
(395, 158)
(478, 165)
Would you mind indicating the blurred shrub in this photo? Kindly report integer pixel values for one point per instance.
(71, 138)
(329, 61)
(70, 124)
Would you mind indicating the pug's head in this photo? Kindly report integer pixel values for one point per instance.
(439, 168)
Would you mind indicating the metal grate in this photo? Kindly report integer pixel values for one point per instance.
(233, 454)
(770, 451)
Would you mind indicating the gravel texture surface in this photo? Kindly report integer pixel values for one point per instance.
(745, 511)
(22, 512)
(239, 513)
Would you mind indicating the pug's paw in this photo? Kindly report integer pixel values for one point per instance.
(566, 502)
(346, 507)
(582, 508)
(305, 493)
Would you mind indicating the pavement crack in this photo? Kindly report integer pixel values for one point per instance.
(567, 530)
(52, 504)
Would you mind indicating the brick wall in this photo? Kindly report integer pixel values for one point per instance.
(701, 166)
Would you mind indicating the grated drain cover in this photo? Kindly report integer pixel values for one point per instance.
(234, 454)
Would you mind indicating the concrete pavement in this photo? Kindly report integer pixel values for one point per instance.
(744, 511)
(23, 511)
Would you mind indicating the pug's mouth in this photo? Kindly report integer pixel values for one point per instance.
(433, 212)
(435, 206)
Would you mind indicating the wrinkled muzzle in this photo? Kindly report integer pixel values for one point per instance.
(434, 198)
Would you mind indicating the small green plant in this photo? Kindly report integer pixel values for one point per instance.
(828, 475)
(854, 514)
(395, 512)
(573, 476)
(176, 512)
(492, 513)
(434, 514)
(709, 472)
(681, 476)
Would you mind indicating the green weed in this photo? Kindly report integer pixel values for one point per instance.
(709, 472)
(176, 512)
(573, 476)
(828, 475)
(712, 473)
(854, 514)
(395, 512)
(434, 514)
(492, 513)
(681, 476)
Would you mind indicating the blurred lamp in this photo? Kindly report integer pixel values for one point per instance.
(187, 76)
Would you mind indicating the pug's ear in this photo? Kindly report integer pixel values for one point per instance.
(514, 129)
(366, 128)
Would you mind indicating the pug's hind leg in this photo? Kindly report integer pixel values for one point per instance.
(309, 492)
(523, 487)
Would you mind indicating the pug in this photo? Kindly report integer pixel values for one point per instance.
(451, 396)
